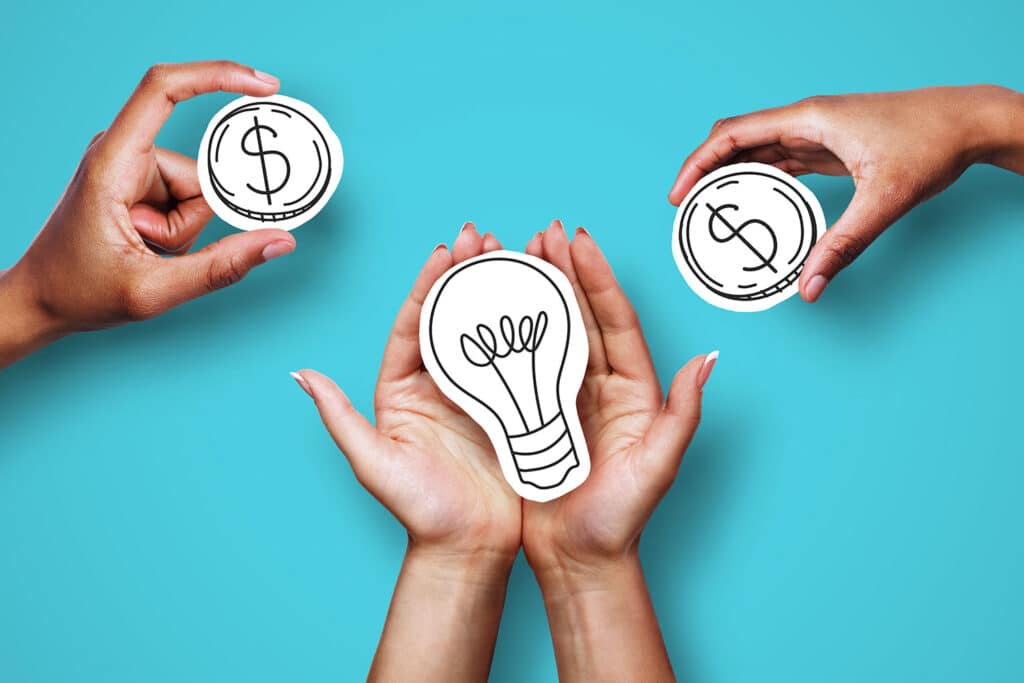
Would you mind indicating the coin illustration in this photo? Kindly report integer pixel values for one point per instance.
(269, 162)
(742, 235)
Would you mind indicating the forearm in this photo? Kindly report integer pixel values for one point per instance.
(444, 617)
(24, 326)
(603, 624)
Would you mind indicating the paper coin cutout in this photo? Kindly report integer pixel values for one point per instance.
(742, 235)
(268, 162)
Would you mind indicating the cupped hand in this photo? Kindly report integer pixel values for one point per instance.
(900, 148)
(425, 460)
(98, 261)
(636, 438)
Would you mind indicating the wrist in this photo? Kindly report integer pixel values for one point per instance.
(996, 126)
(444, 566)
(567, 578)
(26, 325)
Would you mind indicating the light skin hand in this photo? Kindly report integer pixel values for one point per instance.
(436, 471)
(97, 262)
(583, 547)
(900, 148)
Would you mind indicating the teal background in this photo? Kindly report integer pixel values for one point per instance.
(172, 509)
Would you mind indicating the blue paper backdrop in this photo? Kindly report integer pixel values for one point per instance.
(171, 508)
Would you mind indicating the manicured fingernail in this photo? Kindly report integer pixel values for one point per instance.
(265, 77)
(440, 247)
(706, 368)
(467, 226)
(302, 383)
(558, 224)
(582, 231)
(815, 287)
(539, 235)
(278, 248)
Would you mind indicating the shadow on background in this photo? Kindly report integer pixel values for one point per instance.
(893, 272)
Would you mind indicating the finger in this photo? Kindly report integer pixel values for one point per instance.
(765, 154)
(534, 246)
(173, 232)
(164, 85)
(870, 212)
(491, 243)
(761, 128)
(175, 281)
(362, 445)
(624, 344)
(179, 174)
(555, 249)
(402, 351)
(468, 244)
(661, 448)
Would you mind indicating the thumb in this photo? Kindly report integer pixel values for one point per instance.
(669, 435)
(869, 214)
(223, 263)
(360, 442)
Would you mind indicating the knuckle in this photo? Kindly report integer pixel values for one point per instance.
(156, 76)
(224, 273)
(722, 122)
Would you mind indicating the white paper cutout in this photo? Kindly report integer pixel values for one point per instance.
(742, 235)
(268, 162)
(502, 336)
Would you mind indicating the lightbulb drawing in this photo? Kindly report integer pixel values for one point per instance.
(502, 336)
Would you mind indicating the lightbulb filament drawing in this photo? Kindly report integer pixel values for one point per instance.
(486, 353)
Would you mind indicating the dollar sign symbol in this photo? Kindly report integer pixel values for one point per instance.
(263, 154)
(737, 233)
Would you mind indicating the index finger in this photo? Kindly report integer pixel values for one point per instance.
(733, 135)
(135, 128)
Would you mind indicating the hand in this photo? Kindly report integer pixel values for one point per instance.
(583, 547)
(900, 148)
(97, 261)
(436, 471)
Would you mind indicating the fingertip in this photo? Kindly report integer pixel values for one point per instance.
(491, 242)
(814, 288)
(301, 381)
(533, 247)
(706, 366)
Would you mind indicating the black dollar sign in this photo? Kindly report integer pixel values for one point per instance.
(737, 233)
(263, 154)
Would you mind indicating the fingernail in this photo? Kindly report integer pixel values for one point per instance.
(815, 287)
(558, 224)
(582, 231)
(278, 248)
(302, 383)
(706, 368)
(539, 235)
(467, 226)
(440, 247)
(265, 77)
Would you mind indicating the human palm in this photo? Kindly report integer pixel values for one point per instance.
(635, 441)
(425, 460)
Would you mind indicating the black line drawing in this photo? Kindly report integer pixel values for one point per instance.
(502, 336)
(742, 235)
(269, 161)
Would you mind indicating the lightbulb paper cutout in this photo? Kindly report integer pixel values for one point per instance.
(502, 336)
